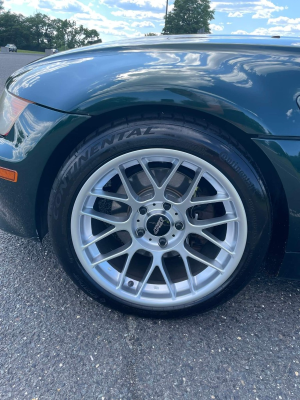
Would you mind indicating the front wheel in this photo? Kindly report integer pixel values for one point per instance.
(160, 218)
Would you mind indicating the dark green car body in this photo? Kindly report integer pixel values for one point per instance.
(249, 85)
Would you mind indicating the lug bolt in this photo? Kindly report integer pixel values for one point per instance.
(167, 206)
(163, 242)
(179, 225)
(130, 283)
(140, 232)
(143, 210)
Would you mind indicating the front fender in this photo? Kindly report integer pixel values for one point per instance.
(242, 86)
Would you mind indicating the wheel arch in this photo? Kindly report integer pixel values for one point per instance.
(273, 182)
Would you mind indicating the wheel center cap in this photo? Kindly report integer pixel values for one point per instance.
(158, 225)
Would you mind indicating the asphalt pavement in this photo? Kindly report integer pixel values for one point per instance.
(57, 343)
(11, 62)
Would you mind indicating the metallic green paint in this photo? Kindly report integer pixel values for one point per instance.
(285, 157)
(240, 83)
(250, 82)
(34, 137)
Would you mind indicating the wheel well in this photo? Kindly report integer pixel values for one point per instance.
(273, 182)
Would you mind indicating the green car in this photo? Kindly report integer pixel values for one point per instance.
(165, 169)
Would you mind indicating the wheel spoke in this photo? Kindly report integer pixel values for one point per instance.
(191, 279)
(132, 195)
(159, 189)
(146, 278)
(197, 201)
(168, 281)
(186, 198)
(210, 223)
(109, 219)
(216, 241)
(125, 269)
(175, 165)
(203, 259)
(120, 251)
(100, 236)
(144, 163)
(109, 196)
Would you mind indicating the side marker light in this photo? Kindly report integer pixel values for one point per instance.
(8, 175)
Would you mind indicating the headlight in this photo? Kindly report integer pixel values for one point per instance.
(11, 107)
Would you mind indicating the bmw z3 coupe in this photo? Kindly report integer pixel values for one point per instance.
(166, 170)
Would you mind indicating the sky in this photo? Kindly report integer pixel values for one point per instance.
(120, 19)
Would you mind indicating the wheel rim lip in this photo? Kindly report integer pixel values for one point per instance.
(184, 299)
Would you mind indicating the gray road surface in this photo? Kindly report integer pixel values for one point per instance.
(11, 62)
(56, 343)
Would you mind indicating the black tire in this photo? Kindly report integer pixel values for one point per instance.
(175, 132)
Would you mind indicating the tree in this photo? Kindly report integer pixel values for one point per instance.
(188, 17)
(1, 5)
(91, 36)
(39, 31)
(13, 29)
(70, 35)
(42, 30)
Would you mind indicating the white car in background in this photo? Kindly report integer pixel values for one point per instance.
(12, 47)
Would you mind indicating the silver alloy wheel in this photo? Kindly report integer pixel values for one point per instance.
(154, 221)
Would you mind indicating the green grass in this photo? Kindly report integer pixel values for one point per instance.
(30, 52)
